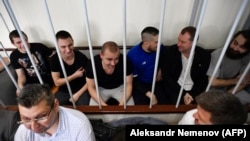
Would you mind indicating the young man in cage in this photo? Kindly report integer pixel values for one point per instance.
(22, 63)
(110, 72)
(75, 64)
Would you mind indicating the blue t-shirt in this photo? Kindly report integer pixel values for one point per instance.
(143, 63)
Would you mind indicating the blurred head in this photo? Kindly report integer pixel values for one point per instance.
(38, 107)
(110, 56)
(65, 43)
(217, 107)
(16, 40)
(185, 39)
(149, 36)
(240, 45)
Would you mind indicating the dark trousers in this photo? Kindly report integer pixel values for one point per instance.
(63, 98)
(168, 95)
(139, 92)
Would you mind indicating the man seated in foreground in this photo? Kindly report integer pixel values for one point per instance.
(43, 119)
(216, 107)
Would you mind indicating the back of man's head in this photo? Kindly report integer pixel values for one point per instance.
(32, 94)
(148, 33)
(224, 108)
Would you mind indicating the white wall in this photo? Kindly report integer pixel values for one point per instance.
(106, 20)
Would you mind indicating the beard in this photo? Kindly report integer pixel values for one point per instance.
(230, 53)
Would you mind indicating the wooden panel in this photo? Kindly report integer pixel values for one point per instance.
(129, 109)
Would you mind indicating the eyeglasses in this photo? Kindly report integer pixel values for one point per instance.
(38, 120)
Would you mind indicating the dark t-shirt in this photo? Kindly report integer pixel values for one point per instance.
(108, 81)
(80, 61)
(40, 54)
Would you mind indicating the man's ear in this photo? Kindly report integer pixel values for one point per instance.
(101, 55)
(56, 104)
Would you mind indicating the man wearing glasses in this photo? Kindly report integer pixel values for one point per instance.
(43, 119)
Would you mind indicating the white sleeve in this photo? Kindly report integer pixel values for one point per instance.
(188, 118)
(20, 134)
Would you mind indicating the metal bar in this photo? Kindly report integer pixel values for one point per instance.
(58, 52)
(5, 51)
(246, 26)
(13, 18)
(9, 73)
(190, 59)
(158, 50)
(236, 21)
(194, 13)
(5, 22)
(124, 52)
(85, 11)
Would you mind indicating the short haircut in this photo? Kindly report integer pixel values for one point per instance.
(148, 33)
(14, 34)
(111, 46)
(224, 108)
(62, 34)
(246, 35)
(190, 30)
(33, 94)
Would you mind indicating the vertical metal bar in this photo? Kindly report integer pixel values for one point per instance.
(5, 22)
(246, 26)
(13, 18)
(58, 51)
(190, 59)
(194, 13)
(9, 73)
(124, 53)
(236, 21)
(158, 49)
(85, 11)
(5, 51)
(241, 78)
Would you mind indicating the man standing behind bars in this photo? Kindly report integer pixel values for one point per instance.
(109, 71)
(173, 64)
(22, 64)
(74, 63)
(232, 66)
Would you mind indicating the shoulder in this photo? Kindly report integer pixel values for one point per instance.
(21, 133)
(54, 56)
(246, 58)
(202, 52)
(217, 51)
(80, 54)
(14, 52)
(97, 57)
(201, 49)
(36, 45)
(170, 50)
(188, 118)
(73, 112)
(134, 49)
